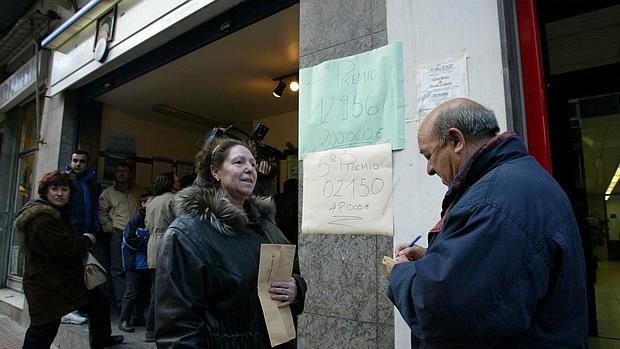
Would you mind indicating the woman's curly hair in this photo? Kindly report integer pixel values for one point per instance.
(54, 178)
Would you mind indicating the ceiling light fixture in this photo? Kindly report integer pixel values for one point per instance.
(293, 84)
(279, 90)
(612, 183)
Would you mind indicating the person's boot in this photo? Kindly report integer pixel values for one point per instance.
(109, 341)
(149, 336)
(124, 326)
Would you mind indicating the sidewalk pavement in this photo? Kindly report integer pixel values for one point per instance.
(69, 336)
(11, 333)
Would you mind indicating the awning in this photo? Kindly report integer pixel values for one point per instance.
(86, 15)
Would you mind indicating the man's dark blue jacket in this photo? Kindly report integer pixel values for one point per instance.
(83, 207)
(506, 270)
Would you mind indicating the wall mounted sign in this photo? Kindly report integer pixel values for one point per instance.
(440, 82)
(348, 191)
(105, 34)
(353, 101)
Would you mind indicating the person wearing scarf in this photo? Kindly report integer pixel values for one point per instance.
(504, 267)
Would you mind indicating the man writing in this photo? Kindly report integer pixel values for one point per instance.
(504, 267)
(117, 204)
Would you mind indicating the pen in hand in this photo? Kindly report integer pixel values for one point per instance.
(409, 245)
(414, 241)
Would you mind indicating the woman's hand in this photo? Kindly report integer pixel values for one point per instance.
(285, 292)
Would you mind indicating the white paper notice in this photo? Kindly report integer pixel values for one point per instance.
(438, 83)
(348, 191)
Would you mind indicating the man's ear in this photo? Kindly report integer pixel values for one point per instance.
(455, 136)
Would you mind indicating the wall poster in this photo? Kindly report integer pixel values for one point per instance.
(348, 191)
(353, 101)
(440, 82)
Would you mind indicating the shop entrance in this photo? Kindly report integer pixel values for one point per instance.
(580, 51)
(158, 119)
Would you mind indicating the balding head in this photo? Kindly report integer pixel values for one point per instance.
(451, 133)
(476, 122)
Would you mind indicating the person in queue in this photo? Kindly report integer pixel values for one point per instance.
(117, 204)
(215, 241)
(504, 267)
(54, 278)
(159, 214)
(137, 295)
(83, 212)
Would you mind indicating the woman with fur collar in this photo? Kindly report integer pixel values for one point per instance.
(207, 273)
(54, 276)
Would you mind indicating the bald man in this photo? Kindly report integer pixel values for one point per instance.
(504, 267)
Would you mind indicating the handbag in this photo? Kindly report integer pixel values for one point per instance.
(94, 272)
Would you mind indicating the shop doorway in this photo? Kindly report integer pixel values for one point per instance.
(580, 51)
(158, 118)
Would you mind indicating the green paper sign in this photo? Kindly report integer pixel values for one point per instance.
(353, 101)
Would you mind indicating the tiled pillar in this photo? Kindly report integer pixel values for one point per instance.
(52, 136)
(62, 119)
(346, 305)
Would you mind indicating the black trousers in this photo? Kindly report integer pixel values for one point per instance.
(41, 336)
(116, 269)
(136, 294)
(99, 329)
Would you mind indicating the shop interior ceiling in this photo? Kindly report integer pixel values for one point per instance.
(229, 80)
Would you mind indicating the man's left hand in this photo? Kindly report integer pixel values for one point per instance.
(387, 269)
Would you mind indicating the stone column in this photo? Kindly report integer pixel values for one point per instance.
(346, 304)
(58, 125)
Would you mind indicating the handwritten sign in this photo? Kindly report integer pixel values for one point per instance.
(438, 83)
(348, 191)
(353, 101)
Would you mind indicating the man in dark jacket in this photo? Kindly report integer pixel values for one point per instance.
(83, 212)
(504, 267)
(83, 204)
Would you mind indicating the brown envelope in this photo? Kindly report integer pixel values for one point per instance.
(276, 264)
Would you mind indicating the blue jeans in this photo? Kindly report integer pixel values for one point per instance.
(150, 319)
(138, 282)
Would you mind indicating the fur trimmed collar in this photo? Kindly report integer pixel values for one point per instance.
(33, 209)
(210, 204)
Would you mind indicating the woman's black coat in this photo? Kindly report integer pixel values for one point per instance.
(206, 283)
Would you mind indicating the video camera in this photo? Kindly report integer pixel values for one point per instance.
(267, 157)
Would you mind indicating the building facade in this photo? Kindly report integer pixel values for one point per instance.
(147, 79)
